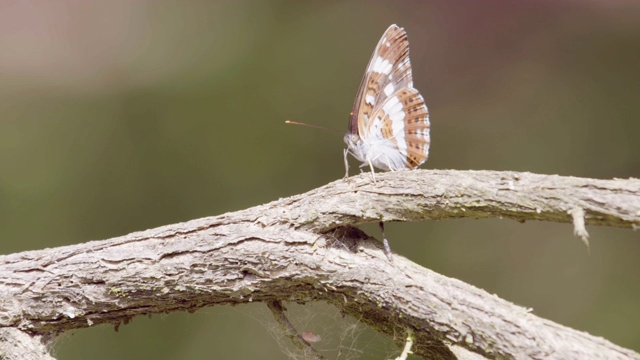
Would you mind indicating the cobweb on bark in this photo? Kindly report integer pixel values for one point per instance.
(335, 335)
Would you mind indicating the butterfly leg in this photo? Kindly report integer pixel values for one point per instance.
(385, 242)
(346, 163)
(373, 173)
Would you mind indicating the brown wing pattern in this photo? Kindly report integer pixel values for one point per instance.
(416, 127)
(389, 64)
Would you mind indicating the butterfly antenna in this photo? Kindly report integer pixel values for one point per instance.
(309, 125)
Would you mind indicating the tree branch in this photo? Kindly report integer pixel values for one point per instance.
(19, 345)
(444, 194)
(302, 249)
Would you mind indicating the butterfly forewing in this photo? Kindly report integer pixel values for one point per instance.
(389, 116)
(390, 60)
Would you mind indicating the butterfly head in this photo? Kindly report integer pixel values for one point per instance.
(354, 145)
(351, 139)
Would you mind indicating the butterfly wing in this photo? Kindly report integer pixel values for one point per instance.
(389, 115)
(402, 123)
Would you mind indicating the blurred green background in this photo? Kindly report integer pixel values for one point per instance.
(125, 115)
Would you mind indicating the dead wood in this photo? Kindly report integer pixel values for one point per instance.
(304, 248)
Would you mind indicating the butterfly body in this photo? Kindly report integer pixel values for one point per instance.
(380, 153)
(389, 124)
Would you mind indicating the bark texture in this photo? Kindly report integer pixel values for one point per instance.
(304, 248)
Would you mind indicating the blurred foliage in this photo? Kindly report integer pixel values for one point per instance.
(125, 115)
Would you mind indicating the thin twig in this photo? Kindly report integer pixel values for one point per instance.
(290, 331)
(407, 346)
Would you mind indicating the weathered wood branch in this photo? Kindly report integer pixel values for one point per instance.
(303, 249)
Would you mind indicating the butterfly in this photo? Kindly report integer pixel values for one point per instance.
(389, 123)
